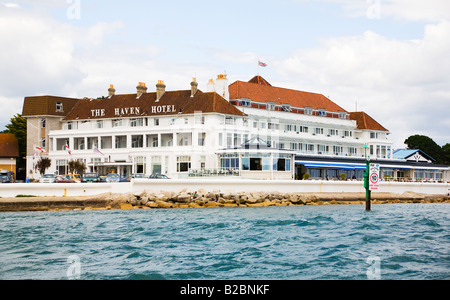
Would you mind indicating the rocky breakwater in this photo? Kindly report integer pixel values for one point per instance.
(202, 198)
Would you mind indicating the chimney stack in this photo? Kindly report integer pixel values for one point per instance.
(111, 91)
(211, 88)
(222, 86)
(160, 89)
(141, 89)
(194, 86)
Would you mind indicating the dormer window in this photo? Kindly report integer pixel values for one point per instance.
(246, 102)
(308, 110)
(270, 105)
(342, 115)
(59, 107)
(322, 112)
(286, 107)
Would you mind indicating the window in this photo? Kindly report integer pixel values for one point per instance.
(342, 115)
(201, 138)
(78, 143)
(333, 132)
(271, 105)
(106, 142)
(69, 126)
(229, 120)
(286, 107)
(92, 142)
(337, 150)
(351, 150)
(61, 166)
(308, 110)
(156, 165)
(273, 126)
(117, 123)
(59, 107)
(246, 102)
(140, 163)
(137, 122)
(99, 124)
(152, 140)
(322, 112)
(137, 141)
(121, 142)
(288, 127)
(183, 163)
(348, 133)
(318, 130)
(156, 121)
(42, 123)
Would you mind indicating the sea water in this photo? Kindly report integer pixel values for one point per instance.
(393, 241)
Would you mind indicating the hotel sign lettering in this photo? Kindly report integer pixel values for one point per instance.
(133, 111)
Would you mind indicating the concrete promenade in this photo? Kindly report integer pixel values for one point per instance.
(210, 185)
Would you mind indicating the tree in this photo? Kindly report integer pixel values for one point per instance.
(43, 164)
(426, 144)
(18, 127)
(76, 166)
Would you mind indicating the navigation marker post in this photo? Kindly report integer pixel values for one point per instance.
(366, 178)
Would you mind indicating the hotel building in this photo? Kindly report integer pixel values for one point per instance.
(249, 129)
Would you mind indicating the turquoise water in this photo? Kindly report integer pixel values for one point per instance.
(395, 241)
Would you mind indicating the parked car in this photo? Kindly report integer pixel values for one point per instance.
(112, 177)
(48, 178)
(74, 177)
(138, 175)
(64, 179)
(124, 178)
(6, 177)
(91, 177)
(158, 176)
(102, 178)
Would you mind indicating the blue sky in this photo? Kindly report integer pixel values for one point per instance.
(388, 57)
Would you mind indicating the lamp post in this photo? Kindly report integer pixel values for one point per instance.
(366, 178)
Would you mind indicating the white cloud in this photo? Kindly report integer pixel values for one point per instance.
(403, 84)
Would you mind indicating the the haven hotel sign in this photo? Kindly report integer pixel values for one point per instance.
(133, 111)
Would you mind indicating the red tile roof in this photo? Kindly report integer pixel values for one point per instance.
(364, 121)
(46, 106)
(259, 90)
(172, 102)
(9, 146)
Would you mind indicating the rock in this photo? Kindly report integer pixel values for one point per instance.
(143, 201)
(182, 198)
(152, 204)
(164, 204)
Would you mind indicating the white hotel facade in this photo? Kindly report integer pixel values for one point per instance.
(248, 129)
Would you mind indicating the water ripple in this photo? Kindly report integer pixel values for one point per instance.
(307, 242)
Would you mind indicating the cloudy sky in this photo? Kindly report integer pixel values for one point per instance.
(389, 58)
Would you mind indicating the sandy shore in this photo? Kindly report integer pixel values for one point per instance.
(202, 199)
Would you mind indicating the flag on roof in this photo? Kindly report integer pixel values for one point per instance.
(261, 64)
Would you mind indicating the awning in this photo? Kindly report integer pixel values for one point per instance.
(332, 166)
